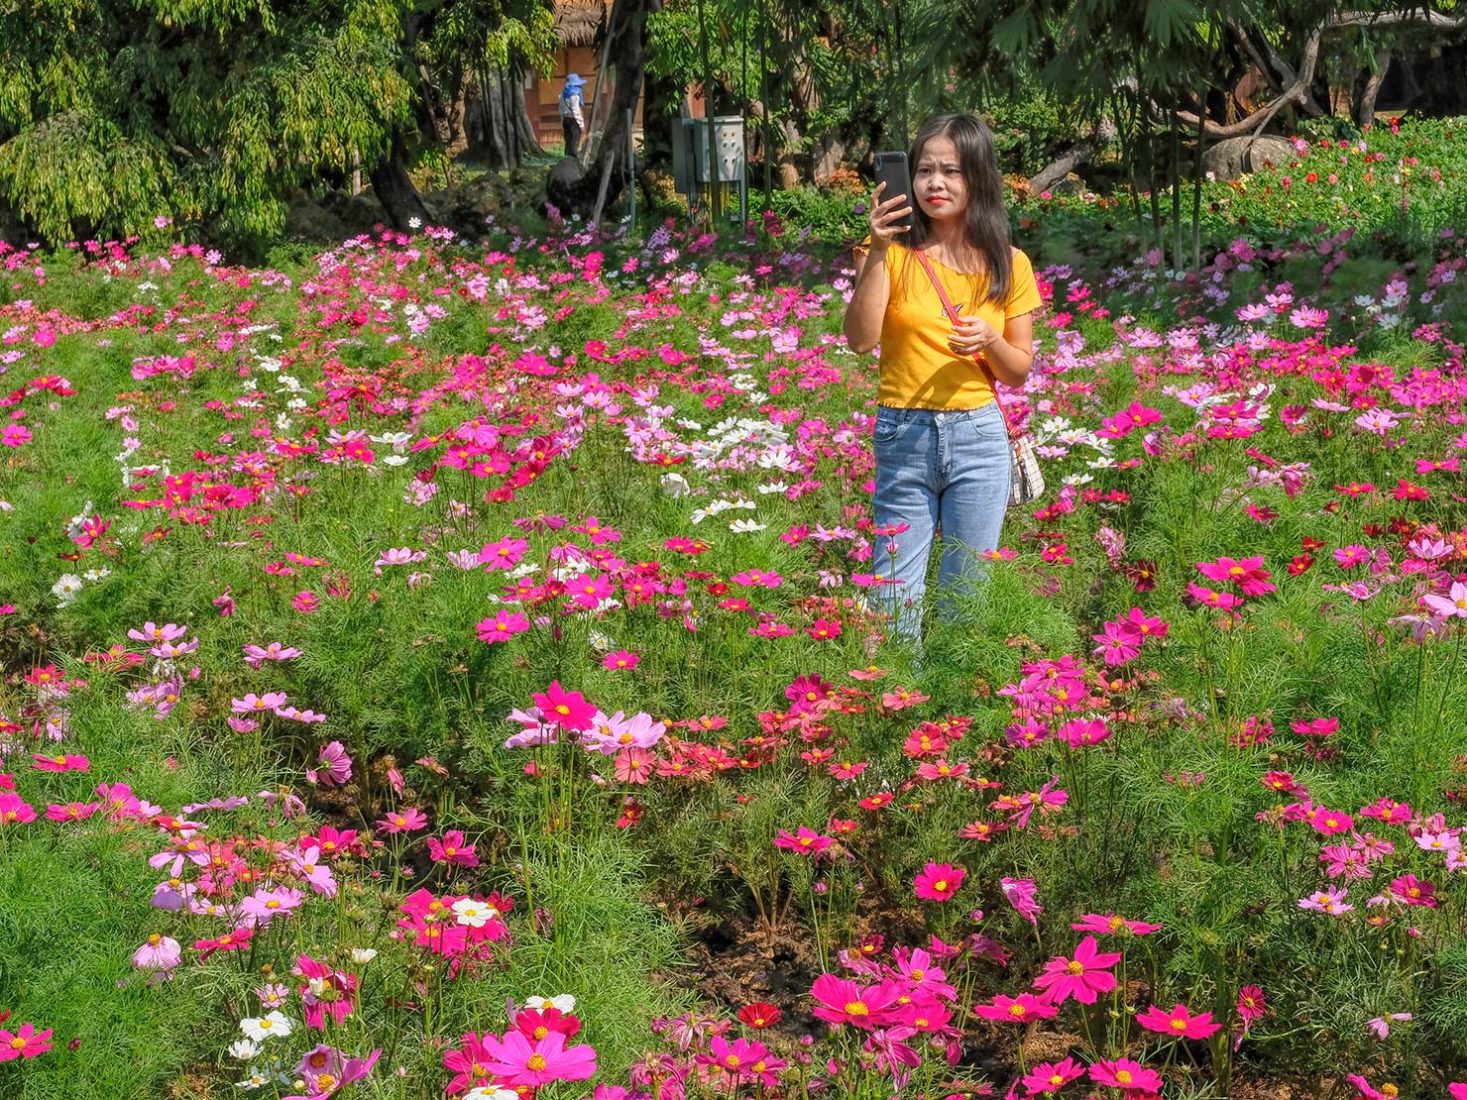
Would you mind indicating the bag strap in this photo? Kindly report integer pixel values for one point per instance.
(952, 315)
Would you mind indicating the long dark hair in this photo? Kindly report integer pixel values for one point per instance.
(986, 222)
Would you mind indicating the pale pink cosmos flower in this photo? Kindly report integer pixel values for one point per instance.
(255, 704)
(158, 952)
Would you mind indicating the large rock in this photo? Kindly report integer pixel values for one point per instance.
(1234, 157)
(561, 181)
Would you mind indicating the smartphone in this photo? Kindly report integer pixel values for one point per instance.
(891, 169)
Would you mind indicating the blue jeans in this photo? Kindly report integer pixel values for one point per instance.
(948, 468)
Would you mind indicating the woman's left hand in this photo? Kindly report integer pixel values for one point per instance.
(971, 335)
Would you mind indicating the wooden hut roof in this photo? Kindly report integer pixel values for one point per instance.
(576, 21)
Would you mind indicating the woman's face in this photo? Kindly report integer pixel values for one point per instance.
(937, 178)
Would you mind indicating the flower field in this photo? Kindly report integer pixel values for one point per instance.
(444, 671)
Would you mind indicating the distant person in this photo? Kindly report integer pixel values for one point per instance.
(942, 453)
(572, 120)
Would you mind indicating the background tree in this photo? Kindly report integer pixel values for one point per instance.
(114, 112)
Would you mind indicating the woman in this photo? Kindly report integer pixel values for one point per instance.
(942, 454)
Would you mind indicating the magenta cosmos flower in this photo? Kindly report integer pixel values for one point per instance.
(842, 1001)
(1123, 1073)
(939, 881)
(1016, 1010)
(568, 709)
(518, 1062)
(1178, 1023)
(1083, 977)
(24, 1042)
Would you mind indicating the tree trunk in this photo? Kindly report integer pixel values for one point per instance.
(395, 191)
(502, 134)
(628, 55)
(1369, 90)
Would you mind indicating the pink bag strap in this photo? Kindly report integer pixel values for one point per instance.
(952, 315)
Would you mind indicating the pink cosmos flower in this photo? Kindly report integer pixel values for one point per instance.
(452, 850)
(842, 1001)
(1110, 924)
(14, 810)
(469, 1064)
(1123, 1073)
(804, 841)
(1023, 895)
(335, 764)
(255, 704)
(1083, 977)
(502, 626)
(519, 1063)
(1247, 573)
(621, 659)
(327, 992)
(1178, 1023)
(568, 709)
(1331, 901)
(1452, 605)
(60, 763)
(1252, 1006)
(1413, 891)
(24, 1042)
(1048, 1078)
(504, 554)
(409, 819)
(263, 906)
(158, 952)
(326, 1084)
(939, 881)
(1017, 1010)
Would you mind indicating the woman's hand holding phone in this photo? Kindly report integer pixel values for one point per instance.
(886, 217)
(971, 335)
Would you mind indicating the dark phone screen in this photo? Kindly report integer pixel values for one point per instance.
(891, 169)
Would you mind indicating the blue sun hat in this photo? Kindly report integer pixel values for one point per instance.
(573, 82)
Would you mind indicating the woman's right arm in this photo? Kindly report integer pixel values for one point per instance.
(867, 307)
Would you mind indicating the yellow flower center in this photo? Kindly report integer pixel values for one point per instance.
(1124, 1076)
(536, 1062)
(1075, 966)
(856, 1008)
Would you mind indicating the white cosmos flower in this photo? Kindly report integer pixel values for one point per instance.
(363, 955)
(745, 526)
(243, 1049)
(260, 1028)
(489, 1092)
(565, 1002)
(66, 588)
(474, 914)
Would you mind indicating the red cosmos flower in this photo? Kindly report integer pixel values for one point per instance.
(939, 881)
(760, 1014)
(1179, 1022)
(842, 1001)
(876, 801)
